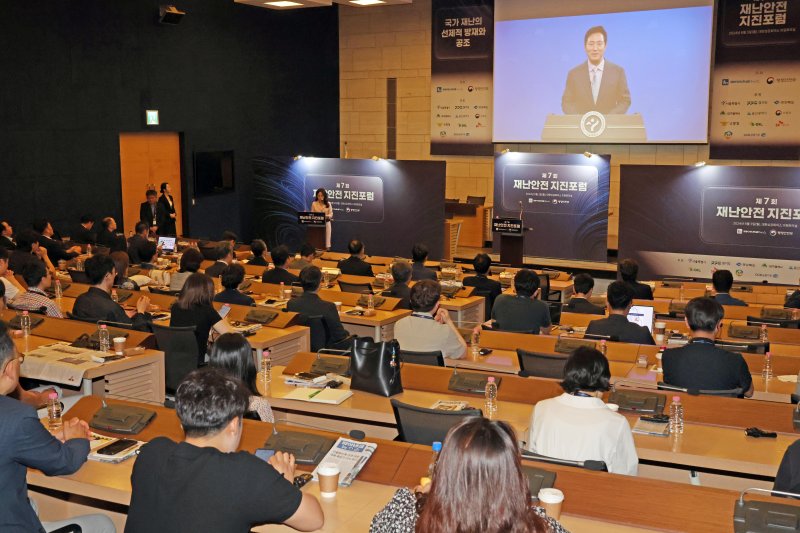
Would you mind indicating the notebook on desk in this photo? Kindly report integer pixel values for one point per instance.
(329, 396)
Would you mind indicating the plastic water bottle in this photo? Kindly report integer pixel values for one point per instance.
(603, 347)
(490, 404)
(103, 338)
(766, 372)
(764, 336)
(437, 448)
(475, 345)
(25, 324)
(370, 302)
(88, 249)
(676, 416)
(281, 295)
(266, 367)
(58, 290)
(54, 421)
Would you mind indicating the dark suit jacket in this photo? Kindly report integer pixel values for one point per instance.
(278, 276)
(419, 272)
(24, 442)
(402, 291)
(96, 304)
(7, 243)
(703, 366)
(793, 301)
(233, 296)
(146, 214)
(726, 299)
(641, 291)
(215, 270)
(258, 261)
(619, 327)
(113, 240)
(355, 266)
(18, 259)
(583, 306)
(167, 226)
(310, 304)
(135, 244)
(82, 235)
(55, 249)
(614, 98)
(488, 288)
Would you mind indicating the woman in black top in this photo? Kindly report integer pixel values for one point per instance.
(193, 308)
(168, 225)
(122, 281)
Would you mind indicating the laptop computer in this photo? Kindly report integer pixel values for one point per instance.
(642, 315)
(167, 244)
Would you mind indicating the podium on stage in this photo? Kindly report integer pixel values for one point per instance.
(594, 127)
(315, 227)
(511, 239)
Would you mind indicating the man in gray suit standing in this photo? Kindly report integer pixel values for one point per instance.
(598, 84)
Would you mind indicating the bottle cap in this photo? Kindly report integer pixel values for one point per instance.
(491, 379)
(24, 313)
(103, 326)
(53, 395)
(437, 446)
(676, 399)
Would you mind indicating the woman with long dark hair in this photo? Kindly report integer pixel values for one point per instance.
(194, 308)
(166, 200)
(478, 487)
(322, 205)
(233, 354)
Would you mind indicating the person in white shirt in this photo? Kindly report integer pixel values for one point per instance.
(429, 328)
(577, 425)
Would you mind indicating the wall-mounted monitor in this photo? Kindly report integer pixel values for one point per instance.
(213, 172)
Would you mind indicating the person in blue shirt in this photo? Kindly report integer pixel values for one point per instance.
(723, 281)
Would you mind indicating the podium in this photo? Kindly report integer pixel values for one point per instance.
(594, 127)
(511, 240)
(315, 227)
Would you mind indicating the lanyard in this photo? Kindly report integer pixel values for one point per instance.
(420, 315)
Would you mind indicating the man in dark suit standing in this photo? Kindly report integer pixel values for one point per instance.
(310, 304)
(488, 288)
(152, 212)
(617, 325)
(419, 253)
(355, 264)
(579, 303)
(598, 84)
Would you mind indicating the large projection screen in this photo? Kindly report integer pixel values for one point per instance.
(643, 78)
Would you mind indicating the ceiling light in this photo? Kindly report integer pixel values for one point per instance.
(367, 2)
(283, 3)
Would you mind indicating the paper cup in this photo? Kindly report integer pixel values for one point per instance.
(551, 500)
(328, 475)
(338, 306)
(119, 345)
(614, 407)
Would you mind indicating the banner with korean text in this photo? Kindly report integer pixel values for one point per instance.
(686, 221)
(562, 200)
(755, 105)
(462, 49)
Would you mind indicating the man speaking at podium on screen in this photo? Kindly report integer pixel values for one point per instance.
(598, 84)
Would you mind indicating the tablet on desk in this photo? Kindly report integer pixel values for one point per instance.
(642, 315)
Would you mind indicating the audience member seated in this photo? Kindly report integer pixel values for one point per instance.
(401, 273)
(429, 328)
(136, 244)
(194, 308)
(628, 270)
(617, 325)
(307, 254)
(577, 425)
(723, 281)
(231, 238)
(110, 237)
(355, 264)
(11, 286)
(122, 281)
(7, 235)
(148, 252)
(189, 264)
(419, 253)
(522, 312)
(96, 303)
(38, 280)
(700, 365)
(27, 251)
(310, 304)
(793, 301)
(579, 303)
(83, 234)
(279, 274)
(788, 477)
(224, 254)
(233, 355)
(481, 281)
(478, 467)
(152, 213)
(56, 250)
(259, 250)
(25, 443)
(231, 278)
(203, 483)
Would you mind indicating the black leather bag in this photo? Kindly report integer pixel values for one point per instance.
(375, 367)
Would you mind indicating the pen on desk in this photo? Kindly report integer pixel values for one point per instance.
(314, 394)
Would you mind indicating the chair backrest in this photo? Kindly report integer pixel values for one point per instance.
(360, 288)
(541, 365)
(78, 276)
(598, 466)
(180, 352)
(544, 285)
(422, 358)
(318, 331)
(476, 200)
(419, 425)
(727, 393)
(487, 295)
(166, 292)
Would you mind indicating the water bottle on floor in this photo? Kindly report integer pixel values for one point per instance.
(676, 416)
(54, 421)
(490, 404)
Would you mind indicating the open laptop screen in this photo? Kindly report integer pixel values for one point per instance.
(642, 315)
(167, 244)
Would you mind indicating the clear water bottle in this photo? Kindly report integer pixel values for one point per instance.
(676, 416)
(103, 338)
(490, 404)
(603, 347)
(437, 448)
(25, 323)
(282, 294)
(764, 336)
(266, 366)
(370, 302)
(766, 372)
(88, 249)
(54, 421)
(475, 344)
(59, 292)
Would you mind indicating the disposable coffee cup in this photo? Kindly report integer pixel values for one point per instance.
(338, 306)
(614, 407)
(119, 345)
(659, 328)
(551, 500)
(328, 475)
(287, 294)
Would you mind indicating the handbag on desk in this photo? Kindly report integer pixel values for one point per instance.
(375, 367)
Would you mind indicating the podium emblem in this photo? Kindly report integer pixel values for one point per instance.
(593, 124)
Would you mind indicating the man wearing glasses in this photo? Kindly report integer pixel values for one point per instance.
(597, 84)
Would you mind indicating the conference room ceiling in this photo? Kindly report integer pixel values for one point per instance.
(298, 4)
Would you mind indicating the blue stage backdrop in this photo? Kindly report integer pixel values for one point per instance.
(562, 197)
(686, 221)
(388, 204)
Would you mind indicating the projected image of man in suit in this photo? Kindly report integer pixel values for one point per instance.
(598, 84)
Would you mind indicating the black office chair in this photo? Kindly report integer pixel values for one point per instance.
(476, 200)
(78, 276)
(165, 292)
(541, 365)
(729, 393)
(597, 466)
(319, 332)
(419, 425)
(544, 284)
(422, 358)
(488, 303)
(359, 288)
(179, 345)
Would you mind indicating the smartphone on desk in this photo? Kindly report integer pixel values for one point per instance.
(224, 310)
(116, 447)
